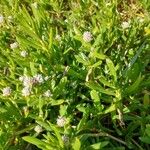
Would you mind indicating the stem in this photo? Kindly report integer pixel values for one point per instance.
(110, 136)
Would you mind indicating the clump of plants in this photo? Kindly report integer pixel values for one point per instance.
(74, 75)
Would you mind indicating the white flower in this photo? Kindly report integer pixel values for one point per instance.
(27, 81)
(1, 19)
(125, 25)
(6, 91)
(46, 78)
(38, 78)
(87, 36)
(26, 91)
(58, 38)
(47, 93)
(23, 53)
(61, 121)
(65, 139)
(10, 18)
(38, 129)
(21, 78)
(14, 45)
(35, 5)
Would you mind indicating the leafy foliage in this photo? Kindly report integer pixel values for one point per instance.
(74, 74)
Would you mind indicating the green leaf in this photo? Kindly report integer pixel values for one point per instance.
(44, 125)
(57, 102)
(32, 68)
(111, 68)
(95, 96)
(145, 139)
(39, 143)
(81, 58)
(98, 146)
(146, 99)
(105, 82)
(76, 145)
(57, 134)
(98, 55)
(110, 109)
(147, 130)
(134, 86)
(63, 110)
(97, 87)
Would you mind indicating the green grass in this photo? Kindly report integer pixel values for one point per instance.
(74, 75)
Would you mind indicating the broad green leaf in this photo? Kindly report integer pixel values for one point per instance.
(39, 143)
(95, 96)
(57, 134)
(111, 68)
(147, 130)
(63, 110)
(98, 146)
(82, 122)
(134, 86)
(146, 99)
(82, 59)
(110, 109)
(145, 139)
(33, 68)
(57, 102)
(44, 125)
(105, 82)
(76, 145)
(97, 87)
(98, 55)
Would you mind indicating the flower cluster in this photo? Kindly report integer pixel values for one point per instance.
(6, 91)
(87, 36)
(61, 121)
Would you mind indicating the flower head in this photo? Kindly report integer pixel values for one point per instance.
(61, 121)
(1, 19)
(38, 129)
(14, 45)
(38, 78)
(125, 25)
(26, 91)
(58, 38)
(46, 78)
(6, 91)
(27, 81)
(47, 93)
(65, 139)
(23, 53)
(87, 36)
(10, 18)
(35, 5)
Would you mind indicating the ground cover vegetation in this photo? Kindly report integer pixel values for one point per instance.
(74, 75)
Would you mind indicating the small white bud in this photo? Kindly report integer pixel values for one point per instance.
(125, 25)
(10, 18)
(35, 5)
(46, 78)
(58, 38)
(23, 53)
(38, 129)
(47, 93)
